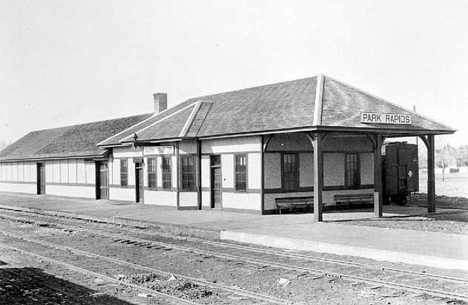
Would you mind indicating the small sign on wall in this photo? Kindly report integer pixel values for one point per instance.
(158, 150)
(385, 118)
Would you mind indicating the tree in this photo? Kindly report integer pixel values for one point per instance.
(444, 153)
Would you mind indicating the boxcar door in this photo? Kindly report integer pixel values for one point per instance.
(139, 182)
(102, 180)
(41, 179)
(216, 182)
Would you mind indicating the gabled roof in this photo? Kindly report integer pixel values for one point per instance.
(71, 141)
(277, 107)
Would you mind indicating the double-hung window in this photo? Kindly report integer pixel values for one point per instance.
(352, 171)
(241, 172)
(290, 172)
(152, 173)
(188, 173)
(166, 173)
(123, 172)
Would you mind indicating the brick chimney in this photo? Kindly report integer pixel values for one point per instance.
(160, 102)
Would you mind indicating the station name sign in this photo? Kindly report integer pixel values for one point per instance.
(385, 118)
(158, 150)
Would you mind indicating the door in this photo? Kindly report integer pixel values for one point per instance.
(216, 182)
(41, 181)
(102, 184)
(139, 182)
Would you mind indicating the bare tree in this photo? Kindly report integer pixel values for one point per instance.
(444, 153)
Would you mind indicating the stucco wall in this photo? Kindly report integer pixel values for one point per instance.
(116, 193)
(232, 145)
(367, 168)
(333, 169)
(306, 169)
(161, 198)
(272, 170)
(242, 201)
(29, 188)
(71, 190)
(188, 199)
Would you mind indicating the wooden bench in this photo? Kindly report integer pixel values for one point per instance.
(353, 198)
(292, 203)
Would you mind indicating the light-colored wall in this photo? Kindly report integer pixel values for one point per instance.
(206, 171)
(161, 198)
(29, 188)
(128, 194)
(71, 190)
(227, 170)
(347, 143)
(232, 145)
(290, 142)
(333, 169)
(272, 170)
(90, 172)
(367, 168)
(254, 170)
(306, 169)
(206, 199)
(81, 171)
(127, 152)
(247, 201)
(188, 199)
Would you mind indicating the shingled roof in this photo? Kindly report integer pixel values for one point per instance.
(71, 141)
(277, 107)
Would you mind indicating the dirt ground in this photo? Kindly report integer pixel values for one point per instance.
(455, 221)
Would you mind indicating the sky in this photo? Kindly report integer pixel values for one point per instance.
(65, 62)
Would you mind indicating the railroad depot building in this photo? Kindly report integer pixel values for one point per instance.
(306, 141)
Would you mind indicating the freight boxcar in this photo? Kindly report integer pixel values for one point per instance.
(400, 171)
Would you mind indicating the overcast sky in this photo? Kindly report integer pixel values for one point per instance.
(66, 62)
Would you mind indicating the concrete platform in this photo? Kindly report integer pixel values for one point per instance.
(288, 231)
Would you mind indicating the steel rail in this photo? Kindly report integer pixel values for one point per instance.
(263, 251)
(236, 290)
(291, 267)
(88, 272)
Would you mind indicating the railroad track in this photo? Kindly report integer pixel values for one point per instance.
(230, 289)
(344, 275)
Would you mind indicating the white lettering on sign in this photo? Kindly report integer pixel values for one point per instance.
(385, 118)
(158, 150)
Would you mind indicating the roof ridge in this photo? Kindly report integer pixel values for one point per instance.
(157, 122)
(249, 88)
(391, 103)
(318, 107)
(190, 119)
(113, 136)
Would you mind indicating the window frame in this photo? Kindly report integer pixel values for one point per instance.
(238, 172)
(188, 173)
(356, 169)
(152, 173)
(124, 173)
(296, 173)
(166, 172)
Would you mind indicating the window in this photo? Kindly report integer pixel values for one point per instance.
(188, 172)
(290, 172)
(152, 173)
(352, 170)
(167, 174)
(124, 172)
(241, 172)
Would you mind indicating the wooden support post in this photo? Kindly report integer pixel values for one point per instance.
(199, 175)
(378, 194)
(431, 205)
(318, 178)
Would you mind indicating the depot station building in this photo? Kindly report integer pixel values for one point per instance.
(310, 139)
